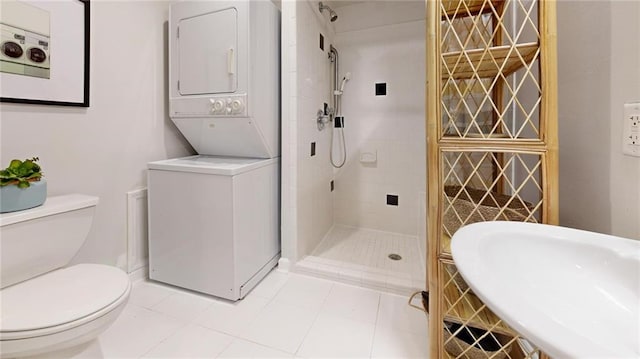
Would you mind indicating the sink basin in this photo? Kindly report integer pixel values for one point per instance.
(575, 294)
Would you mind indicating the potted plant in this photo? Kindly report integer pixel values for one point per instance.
(22, 186)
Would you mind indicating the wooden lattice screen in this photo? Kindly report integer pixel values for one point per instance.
(492, 151)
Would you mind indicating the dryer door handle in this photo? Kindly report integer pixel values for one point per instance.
(231, 62)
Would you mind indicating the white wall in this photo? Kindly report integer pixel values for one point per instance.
(289, 155)
(103, 150)
(583, 116)
(392, 125)
(598, 70)
(309, 176)
(625, 87)
(368, 14)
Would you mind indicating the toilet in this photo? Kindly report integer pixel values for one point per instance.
(45, 304)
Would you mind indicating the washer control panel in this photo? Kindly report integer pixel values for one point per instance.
(228, 105)
(211, 106)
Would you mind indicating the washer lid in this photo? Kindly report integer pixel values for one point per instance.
(215, 165)
(61, 296)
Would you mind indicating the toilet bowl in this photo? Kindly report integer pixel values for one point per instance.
(46, 306)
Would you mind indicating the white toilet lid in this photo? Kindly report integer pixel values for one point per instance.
(61, 296)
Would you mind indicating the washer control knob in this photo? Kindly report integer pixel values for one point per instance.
(236, 106)
(217, 106)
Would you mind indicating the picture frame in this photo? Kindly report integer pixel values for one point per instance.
(40, 65)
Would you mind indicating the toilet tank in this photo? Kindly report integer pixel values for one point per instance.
(41, 239)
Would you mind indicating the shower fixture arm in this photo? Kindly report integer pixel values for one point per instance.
(333, 56)
(337, 91)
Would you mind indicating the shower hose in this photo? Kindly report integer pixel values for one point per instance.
(344, 145)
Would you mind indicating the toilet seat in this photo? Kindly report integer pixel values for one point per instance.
(61, 300)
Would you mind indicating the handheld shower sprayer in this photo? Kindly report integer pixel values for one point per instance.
(346, 78)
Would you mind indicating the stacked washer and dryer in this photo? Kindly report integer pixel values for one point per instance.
(214, 223)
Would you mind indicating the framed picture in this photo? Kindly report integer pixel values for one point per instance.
(44, 52)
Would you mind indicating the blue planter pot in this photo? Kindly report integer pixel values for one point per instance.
(14, 199)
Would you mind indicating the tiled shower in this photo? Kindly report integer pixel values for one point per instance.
(348, 223)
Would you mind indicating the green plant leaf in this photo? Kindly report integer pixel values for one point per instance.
(20, 172)
(27, 166)
(15, 164)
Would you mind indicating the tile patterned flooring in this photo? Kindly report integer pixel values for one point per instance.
(287, 315)
(359, 256)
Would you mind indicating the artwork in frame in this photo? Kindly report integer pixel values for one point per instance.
(44, 52)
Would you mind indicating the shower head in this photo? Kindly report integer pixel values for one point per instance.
(332, 14)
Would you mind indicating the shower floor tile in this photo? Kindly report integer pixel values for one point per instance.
(361, 256)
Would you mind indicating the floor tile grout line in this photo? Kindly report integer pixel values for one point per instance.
(183, 325)
(161, 301)
(252, 342)
(188, 321)
(233, 338)
(375, 325)
(227, 346)
(270, 300)
(314, 319)
(289, 276)
(257, 315)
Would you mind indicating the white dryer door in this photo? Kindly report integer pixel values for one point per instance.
(207, 53)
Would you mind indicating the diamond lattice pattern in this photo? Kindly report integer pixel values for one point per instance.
(490, 69)
(471, 330)
(490, 186)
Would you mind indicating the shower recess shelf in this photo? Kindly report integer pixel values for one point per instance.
(468, 310)
(487, 63)
(464, 8)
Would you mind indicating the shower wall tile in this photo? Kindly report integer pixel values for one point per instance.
(314, 204)
(289, 133)
(393, 125)
(293, 84)
(292, 59)
(293, 39)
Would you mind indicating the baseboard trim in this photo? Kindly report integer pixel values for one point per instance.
(140, 274)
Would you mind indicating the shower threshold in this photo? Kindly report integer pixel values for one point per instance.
(368, 258)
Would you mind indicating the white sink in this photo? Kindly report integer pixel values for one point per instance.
(575, 294)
